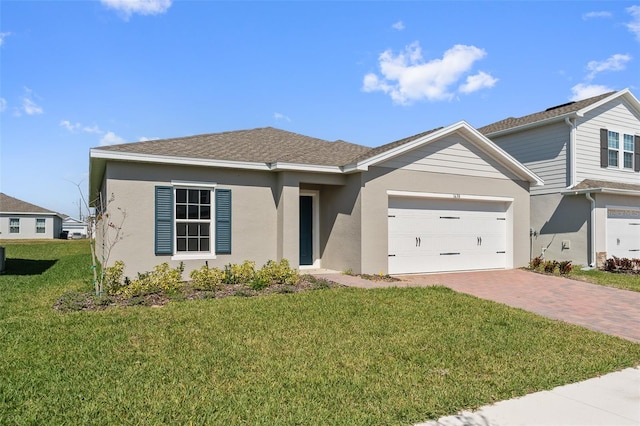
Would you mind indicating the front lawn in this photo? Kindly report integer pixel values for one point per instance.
(333, 356)
(618, 280)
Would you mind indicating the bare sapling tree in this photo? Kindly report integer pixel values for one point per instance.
(104, 231)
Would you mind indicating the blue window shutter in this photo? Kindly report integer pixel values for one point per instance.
(164, 220)
(223, 221)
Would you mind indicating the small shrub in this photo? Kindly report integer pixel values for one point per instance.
(550, 266)
(565, 267)
(276, 273)
(113, 277)
(535, 263)
(617, 264)
(104, 300)
(206, 278)
(163, 278)
(239, 274)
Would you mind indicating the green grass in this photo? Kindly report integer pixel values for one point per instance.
(621, 281)
(337, 356)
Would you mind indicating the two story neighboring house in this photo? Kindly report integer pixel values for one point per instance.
(588, 154)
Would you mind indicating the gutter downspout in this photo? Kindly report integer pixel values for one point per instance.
(593, 229)
(572, 151)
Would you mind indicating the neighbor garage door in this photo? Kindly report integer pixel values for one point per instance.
(433, 235)
(623, 232)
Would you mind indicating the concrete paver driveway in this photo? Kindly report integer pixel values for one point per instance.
(604, 309)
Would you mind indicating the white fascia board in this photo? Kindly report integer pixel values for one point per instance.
(32, 214)
(448, 196)
(278, 166)
(628, 192)
(160, 159)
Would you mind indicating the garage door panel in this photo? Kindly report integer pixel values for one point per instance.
(623, 233)
(445, 235)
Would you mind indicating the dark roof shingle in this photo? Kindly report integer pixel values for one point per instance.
(262, 145)
(557, 111)
(13, 205)
(603, 184)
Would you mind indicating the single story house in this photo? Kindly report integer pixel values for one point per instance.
(75, 228)
(448, 199)
(22, 220)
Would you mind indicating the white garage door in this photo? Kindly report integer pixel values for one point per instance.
(430, 235)
(623, 233)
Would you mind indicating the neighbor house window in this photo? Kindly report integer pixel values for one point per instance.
(627, 152)
(614, 148)
(193, 220)
(14, 226)
(40, 226)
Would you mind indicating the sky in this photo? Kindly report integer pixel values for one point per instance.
(76, 75)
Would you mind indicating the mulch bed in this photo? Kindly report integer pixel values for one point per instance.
(88, 301)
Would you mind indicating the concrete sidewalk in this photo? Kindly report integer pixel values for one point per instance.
(610, 400)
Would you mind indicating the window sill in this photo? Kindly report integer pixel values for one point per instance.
(194, 256)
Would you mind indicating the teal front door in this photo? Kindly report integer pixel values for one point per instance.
(306, 230)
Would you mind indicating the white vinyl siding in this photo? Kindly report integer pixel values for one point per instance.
(617, 117)
(544, 151)
(452, 155)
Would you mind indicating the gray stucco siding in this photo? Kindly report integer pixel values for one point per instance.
(253, 213)
(375, 203)
(544, 151)
(616, 116)
(561, 225)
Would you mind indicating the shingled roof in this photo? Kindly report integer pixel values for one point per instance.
(556, 111)
(13, 205)
(262, 145)
(603, 184)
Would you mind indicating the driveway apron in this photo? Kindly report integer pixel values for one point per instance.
(604, 309)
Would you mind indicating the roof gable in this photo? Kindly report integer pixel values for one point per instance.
(554, 113)
(462, 129)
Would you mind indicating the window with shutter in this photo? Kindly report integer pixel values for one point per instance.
(164, 220)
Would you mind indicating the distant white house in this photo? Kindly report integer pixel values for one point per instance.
(75, 228)
(22, 220)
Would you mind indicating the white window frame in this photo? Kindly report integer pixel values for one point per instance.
(620, 150)
(13, 228)
(41, 229)
(191, 255)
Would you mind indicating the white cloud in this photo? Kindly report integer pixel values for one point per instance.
(634, 25)
(398, 26)
(406, 77)
(583, 91)
(29, 106)
(76, 127)
(3, 36)
(145, 139)
(597, 14)
(111, 138)
(616, 62)
(141, 7)
(477, 82)
(3, 104)
(279, 116)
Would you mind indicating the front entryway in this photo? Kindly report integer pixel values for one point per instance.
(306, 230)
